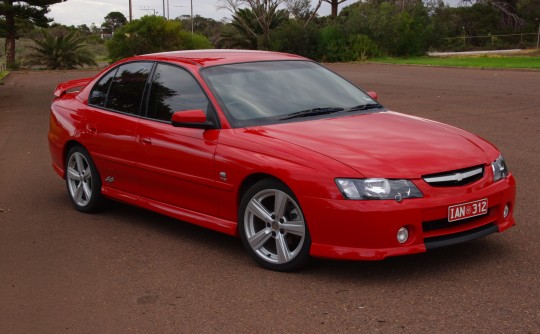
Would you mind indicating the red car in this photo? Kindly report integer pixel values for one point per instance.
(278, 150)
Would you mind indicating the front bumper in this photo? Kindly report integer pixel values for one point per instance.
(366, 230)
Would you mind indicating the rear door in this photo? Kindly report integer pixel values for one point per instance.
(115, 103)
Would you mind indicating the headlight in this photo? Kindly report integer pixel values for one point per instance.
(363, 189)
(500, 171)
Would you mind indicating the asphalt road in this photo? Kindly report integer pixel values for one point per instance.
(127, 270)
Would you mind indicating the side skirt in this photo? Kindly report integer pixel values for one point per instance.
(196, 218)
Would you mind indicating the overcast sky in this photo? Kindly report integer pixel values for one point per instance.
(78, 12)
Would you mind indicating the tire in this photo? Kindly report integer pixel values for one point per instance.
(277, 238)
(83, 181)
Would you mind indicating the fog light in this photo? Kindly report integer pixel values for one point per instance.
(403, 235)
(506, 211)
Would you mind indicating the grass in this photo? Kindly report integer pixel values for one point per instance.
(3, 74)
(491, 61)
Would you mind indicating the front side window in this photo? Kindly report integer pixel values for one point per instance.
(127, 87)
(174, 89)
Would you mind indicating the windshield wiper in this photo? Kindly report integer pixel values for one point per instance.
(364, 107)
(312, 112)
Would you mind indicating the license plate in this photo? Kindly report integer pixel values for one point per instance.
(467, 210)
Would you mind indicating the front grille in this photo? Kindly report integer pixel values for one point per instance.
(455, 178)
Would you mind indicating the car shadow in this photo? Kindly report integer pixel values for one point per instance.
(157, 223)
(439, 262)
(443, 262)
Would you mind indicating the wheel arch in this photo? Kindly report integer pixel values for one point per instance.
(68, 146)
(249, 181)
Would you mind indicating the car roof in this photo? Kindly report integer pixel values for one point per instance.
(205, 58)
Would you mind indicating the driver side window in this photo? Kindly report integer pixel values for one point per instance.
(174, 89)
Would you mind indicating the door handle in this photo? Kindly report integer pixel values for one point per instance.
(91, 128)
(145, 141)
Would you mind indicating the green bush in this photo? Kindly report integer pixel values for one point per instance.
(293, 37)
(333, 44)
(394, 30)
(152, 34)
(196, 41)
(361, 47)
(336, 45)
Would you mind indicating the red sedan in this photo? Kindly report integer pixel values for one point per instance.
(278, 150)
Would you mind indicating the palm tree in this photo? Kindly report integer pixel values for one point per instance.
(250, 27)
(242, 33)
(65, 51)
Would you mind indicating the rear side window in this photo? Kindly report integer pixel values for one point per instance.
(98, 96)
(174, 89)
(127, 87)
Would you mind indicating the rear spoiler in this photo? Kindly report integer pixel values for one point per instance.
(62, 88)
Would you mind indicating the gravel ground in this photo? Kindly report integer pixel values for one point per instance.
(127, 270)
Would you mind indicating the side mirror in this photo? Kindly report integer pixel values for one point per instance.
(373, 95)
(191, 119)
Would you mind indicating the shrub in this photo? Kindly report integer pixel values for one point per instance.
(333, 44)
(361, 47)
(60, 51)
(152, 34)
(293, 37)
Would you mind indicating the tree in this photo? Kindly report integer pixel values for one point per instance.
(266, 16)
(299, 9)
(113, 21)
(63, 51)
(84, 29)
(207, 27)
(335, 4)
(2, 27)
(232, 38)
(295, 37)
(529, 10)
(507, 7)
(32, 11)
(243, 31)
(396, 30)
(153, 34)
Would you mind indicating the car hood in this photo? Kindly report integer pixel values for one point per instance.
(386, 144)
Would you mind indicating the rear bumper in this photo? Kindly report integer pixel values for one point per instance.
(367, 230)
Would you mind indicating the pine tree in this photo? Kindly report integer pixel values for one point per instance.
(32, 11)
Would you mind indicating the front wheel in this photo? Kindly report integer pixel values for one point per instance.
(82, 180)
(273, 228)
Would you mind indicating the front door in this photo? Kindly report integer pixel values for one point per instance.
(176, 164)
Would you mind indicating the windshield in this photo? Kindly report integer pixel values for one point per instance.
(278, 91)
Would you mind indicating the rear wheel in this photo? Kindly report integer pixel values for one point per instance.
(273, 228)
(82, 180)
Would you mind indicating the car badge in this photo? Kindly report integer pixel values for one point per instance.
(223, 176)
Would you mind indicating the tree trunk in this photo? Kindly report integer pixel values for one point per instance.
(319, 3)
(11, 34)
(334, 8)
